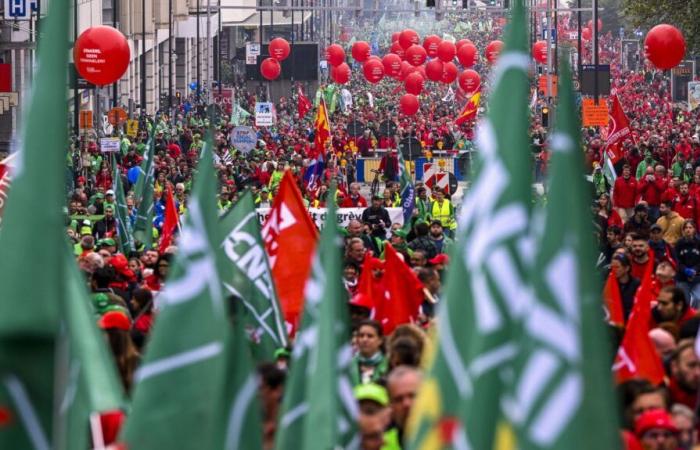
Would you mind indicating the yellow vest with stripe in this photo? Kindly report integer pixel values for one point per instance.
(444, 213)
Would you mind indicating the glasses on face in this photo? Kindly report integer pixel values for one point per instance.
(659, 434)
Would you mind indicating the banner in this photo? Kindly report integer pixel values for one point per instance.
(224, 99)
(243, 139)
(693, 95)
(109, 144)
(344, 215)
(264, 114)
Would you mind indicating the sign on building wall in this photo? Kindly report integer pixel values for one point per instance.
(20, 9)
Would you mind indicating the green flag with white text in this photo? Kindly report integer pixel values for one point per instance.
(319, 410)
(459, 404)
(249, 280)
(176, 400)
(143, 228)
(32, 239)
(126, 240)
(563, 384)
(86, 375)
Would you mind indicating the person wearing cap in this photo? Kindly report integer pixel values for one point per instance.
(373, 416)
(442, 209)
(263, 199)
(377, 217)
(107, 226)
(656, 431)
(437, 235)
(398, 241)
(422, 241)
(644, 164)
(117, 326)
(109, 199)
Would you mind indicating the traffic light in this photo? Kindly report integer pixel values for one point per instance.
(545, 117)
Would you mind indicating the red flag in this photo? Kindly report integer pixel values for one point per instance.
(618, 130)
(171, 220)
(290, 240)
(303, 103)
(470, 109)
(637, 357)
(404, 293)
(4, 181)
(370, 289)
(613, 301)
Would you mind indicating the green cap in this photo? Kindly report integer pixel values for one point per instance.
(282, 353)
(100, 301)
(85, 230)
(400, 233)
(372, 392)
(118, 308)
(109, 242)
(99, 195)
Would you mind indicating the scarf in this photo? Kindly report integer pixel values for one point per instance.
(372, 361)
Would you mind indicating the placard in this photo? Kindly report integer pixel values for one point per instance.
(594, 115)
(109, 144)
(243, 139)
(264, 114)
(252, 51)
(132, 128)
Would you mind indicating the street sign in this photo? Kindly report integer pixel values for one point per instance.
(117, 116)
(85, 120)
(76, 81)
(252, 51)
(20, 9)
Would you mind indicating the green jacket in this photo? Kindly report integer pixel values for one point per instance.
(380, 371)
(642, 167)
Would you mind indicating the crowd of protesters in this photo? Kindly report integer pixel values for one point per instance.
(645, 220)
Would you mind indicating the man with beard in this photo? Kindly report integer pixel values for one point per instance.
(672, 306)
(685, 375)
(442, 242)
(640, 256)
(639, 223)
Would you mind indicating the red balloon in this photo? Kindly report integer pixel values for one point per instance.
(416, 55)
(360, 51)
(421, 71)
(392, 65)
(409, 104)
(340, 73)
(449, 72)
(335, 55)
(461, 42)
(406, 69)
(430, 44)
(664, 46)
(101, 55)
(396, 48)
(279, 49)
(539, 52)
(446, 51)
(433, 69)
(414, 83)
(586, 34)
(373, 70)
(270, 68)
(395, 36)
(469, 81)
(407, 38)
(600, 24)
(492, 51)
(467, 54)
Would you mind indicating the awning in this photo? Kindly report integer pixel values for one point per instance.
(250, 18)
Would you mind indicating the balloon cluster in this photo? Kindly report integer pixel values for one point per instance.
(279, 50)
(413, 63)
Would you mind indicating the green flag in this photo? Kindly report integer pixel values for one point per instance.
(32, 240)
(319, 410)
(562, 388)
(87, 380)
(408, 193)
(248, 278)
(487, 284)
(238, 115)
(126, 240)
(143, 228)
(178, 386)
(242, 415)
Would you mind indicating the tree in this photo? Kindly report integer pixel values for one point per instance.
(683, 14)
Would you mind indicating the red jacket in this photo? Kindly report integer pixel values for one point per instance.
(685, 206)
(624, 192)
(360, 202)
(651, 191)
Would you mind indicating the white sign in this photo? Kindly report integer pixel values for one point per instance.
(264, 114)
(243, 139)
(20, 9)
(344, 215)
(693, 95)
(109, 144)
(252, 51)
